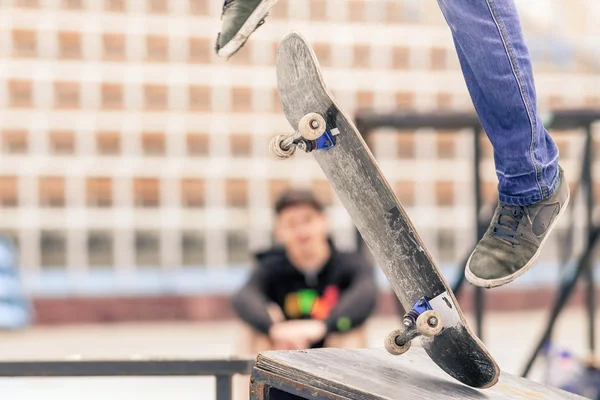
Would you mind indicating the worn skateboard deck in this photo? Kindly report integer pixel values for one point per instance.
(378, 215)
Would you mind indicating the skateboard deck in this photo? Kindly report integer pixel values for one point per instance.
(322, 128)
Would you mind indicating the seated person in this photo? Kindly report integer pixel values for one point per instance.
(306, 294)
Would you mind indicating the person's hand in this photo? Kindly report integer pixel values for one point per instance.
(297, 334)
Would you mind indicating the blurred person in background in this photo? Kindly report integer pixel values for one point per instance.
(306, 293)
(496, 65)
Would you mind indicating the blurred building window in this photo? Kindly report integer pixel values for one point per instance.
(11, 236)
(323, 192)
(445, 242)
(362, 55)
(446, 143)
(108, 143)
(192, 248)
(69, 44)
(406, 145)
(157, 48)
(153, 143)
(400, 57)
(114, 46)
(9, 191)
(237, 247)
(72, 4)
(444, 193)
(405, 190)
(276, 188)
(200, 98)
(147, 249)
(241, 145)
(323, 52)
(192, 193)
(15, 141)
(26, 3)
(197, 144)
(157, 6)
(146, 192)
(100, 249)
(20, 93)
(236, 193)
(53, 249)
(114, 5)
(155, 97)
(52, 191)
(112, 96)
(99, 192)
(66, 95)
(199, 50)
(241, 99)
(24, 42)
(62, 142)
(199, 7)
(438, 58)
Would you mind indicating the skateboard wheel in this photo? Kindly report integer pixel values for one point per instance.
(394, 348)
(312, 126)
(277, 150)
(429, 323)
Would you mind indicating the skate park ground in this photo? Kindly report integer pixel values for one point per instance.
(509, 336)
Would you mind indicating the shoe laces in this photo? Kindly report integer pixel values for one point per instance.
(507, 225)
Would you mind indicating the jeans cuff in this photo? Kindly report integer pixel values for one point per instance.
(520, 201)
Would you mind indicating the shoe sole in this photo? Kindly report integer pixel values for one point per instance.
(246, 30)
(491, 283)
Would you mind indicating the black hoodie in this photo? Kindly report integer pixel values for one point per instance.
(343, 293)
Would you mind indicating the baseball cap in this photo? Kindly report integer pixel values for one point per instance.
(294, 197)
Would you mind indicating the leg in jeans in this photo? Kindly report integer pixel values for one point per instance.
(532, 191)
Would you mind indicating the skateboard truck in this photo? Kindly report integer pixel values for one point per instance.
(420, 320)
(312, 134)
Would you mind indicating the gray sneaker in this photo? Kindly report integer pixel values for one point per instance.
(239, 19)
(514, 239)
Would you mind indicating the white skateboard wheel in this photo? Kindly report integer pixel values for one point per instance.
(312, 126)
(429, 323)
(392, 347)
(276, 150)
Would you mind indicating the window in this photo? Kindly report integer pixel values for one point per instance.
(9, 191)
(99, 192)
(69, 44)
(114, 46)
(26, 3)
(323, 192)
(157, 48)
(192, 248)
(405, 99)
(108, 143)
(276, 188)
(155, 97)
(438, 58)
(405, 190)
(147, 248)
(112, 96)
(192, 193)
(400, 57)
(445, 145)
(62, 142)
(241, 145)
(199, 7)
(100, 249)
(237, 245)
(157, 6)
(199, 49)
(72, 4)
(52, 192)
(318, 10)
(24, 43)
(146, 192)
(406, 145)
(236, 193)
(444, 193)
(364, 99)
(20, 93)
(53, 246)
(241, 98)
(114, 5)
(323, 52)
(197, 144)
(153, 143)
(362, 55)
(66, 95)
(15, 141)
(200, 98)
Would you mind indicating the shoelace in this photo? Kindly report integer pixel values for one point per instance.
(510, 217)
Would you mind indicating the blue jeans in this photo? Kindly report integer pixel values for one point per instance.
(497, 70)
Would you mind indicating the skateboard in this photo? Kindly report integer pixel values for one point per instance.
(322, 129)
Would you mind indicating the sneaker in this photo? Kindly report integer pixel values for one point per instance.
(514, 239)
(239, 19)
